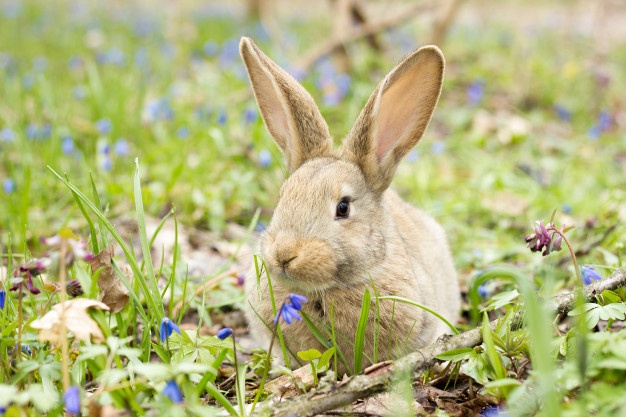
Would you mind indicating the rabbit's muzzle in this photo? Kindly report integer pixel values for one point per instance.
(304, 265)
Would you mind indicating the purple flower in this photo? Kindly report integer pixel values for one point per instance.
(72, 400)
(224, 333)
(73, 288)
(104, 126)
(67, 144)
(290, 308)
(23, 275)
(589, 274)
(167, 327)
(8, 185)
(121, 147)
(546, 238)
(265, 158)
(76, 248)
(475, 92)
(3, 296)
(172, 392)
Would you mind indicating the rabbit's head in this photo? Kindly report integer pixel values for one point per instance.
(329, 227)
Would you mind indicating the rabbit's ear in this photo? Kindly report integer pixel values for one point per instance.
(289, 112)
(396, 116)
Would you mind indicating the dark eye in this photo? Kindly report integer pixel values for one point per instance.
(343, 209)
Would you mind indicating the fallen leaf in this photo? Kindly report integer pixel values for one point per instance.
(77, 321)
(113, 292)
(285, 386)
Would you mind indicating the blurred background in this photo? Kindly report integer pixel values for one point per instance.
(531, 117)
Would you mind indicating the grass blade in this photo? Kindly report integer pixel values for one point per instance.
(359, 338)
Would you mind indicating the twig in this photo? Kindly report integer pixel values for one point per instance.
(365, 30)
(331, 396)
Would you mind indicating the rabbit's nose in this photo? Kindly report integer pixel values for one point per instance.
(284, 262)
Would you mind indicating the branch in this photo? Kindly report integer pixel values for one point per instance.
(365, 30)
(332, 395)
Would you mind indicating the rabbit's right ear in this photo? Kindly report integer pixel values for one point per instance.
(289, 112)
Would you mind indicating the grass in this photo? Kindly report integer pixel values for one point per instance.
(138, 110)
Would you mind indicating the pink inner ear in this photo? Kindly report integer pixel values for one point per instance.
(406, 106)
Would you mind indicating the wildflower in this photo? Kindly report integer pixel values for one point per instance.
(32, 131)
(475, 92)
(438, 147)
(76, 248)
(79, 92)
(546, 238)
(265, 158)
(413, 156)
(289, 310)
(157, 110)
(250, 115)
(103, 126)
(563, 113)
(241, 280)
(3, 296)
(483, 291)
(8, 185)
(72, 400)
(67, 145)
(73, 288)
(224, 333)
(604, 120)
(182, 132)
(221, 118)
(7, 135)
(589, 274)
(167, 327)
(172, 391)
(210, 48)
(24, 274)
(121, 147)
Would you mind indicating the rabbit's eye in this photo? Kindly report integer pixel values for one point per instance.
(343, 209)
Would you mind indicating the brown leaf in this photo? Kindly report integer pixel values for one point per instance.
(113, 292)
(77, 321)
(285, 386)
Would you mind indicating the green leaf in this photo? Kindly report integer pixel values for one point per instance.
(359, 338)
(490, 349)
(324, 361)
(456, 355)
(610, 297)
(309, 355)
(502, 299)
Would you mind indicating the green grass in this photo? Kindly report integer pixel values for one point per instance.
(172, 88)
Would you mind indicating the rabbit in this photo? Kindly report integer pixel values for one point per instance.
(338, 229)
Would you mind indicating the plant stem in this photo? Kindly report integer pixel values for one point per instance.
(241, 408)
(268, 363)
(572, 254)
(20, 320)
(65, 369)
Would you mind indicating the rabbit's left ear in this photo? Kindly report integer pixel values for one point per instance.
(395, 116)
(289, 112)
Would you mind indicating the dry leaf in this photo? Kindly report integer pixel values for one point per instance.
(77, 321)
(113, 292)
(284, 386)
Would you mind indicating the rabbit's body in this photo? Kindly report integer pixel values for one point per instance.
(337, 229)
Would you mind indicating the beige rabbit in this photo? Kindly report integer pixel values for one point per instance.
(338, 229)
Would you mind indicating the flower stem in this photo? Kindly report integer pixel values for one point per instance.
(268, 363)
(572, 254)
(241, 407)
(65, 368)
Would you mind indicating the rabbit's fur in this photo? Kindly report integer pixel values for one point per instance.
(384, 243)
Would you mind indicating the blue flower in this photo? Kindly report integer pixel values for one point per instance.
(221, 118)
(67, 144)
(8, 185)
(563, 113)
(158, 110)
(438, 147)
(79, 92)
(589, 274)
(413, 156)
(71, 398)
(182, 132)
(605, 120)
(121, 147)
(104, 126)
(172, 391)
(224, 333)
(210, 48)
(250, 115)
(483, 291)
(265, 158)
(3, 296)
(289, 310)
(475, 92)
(7, 135)
(167, 327)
